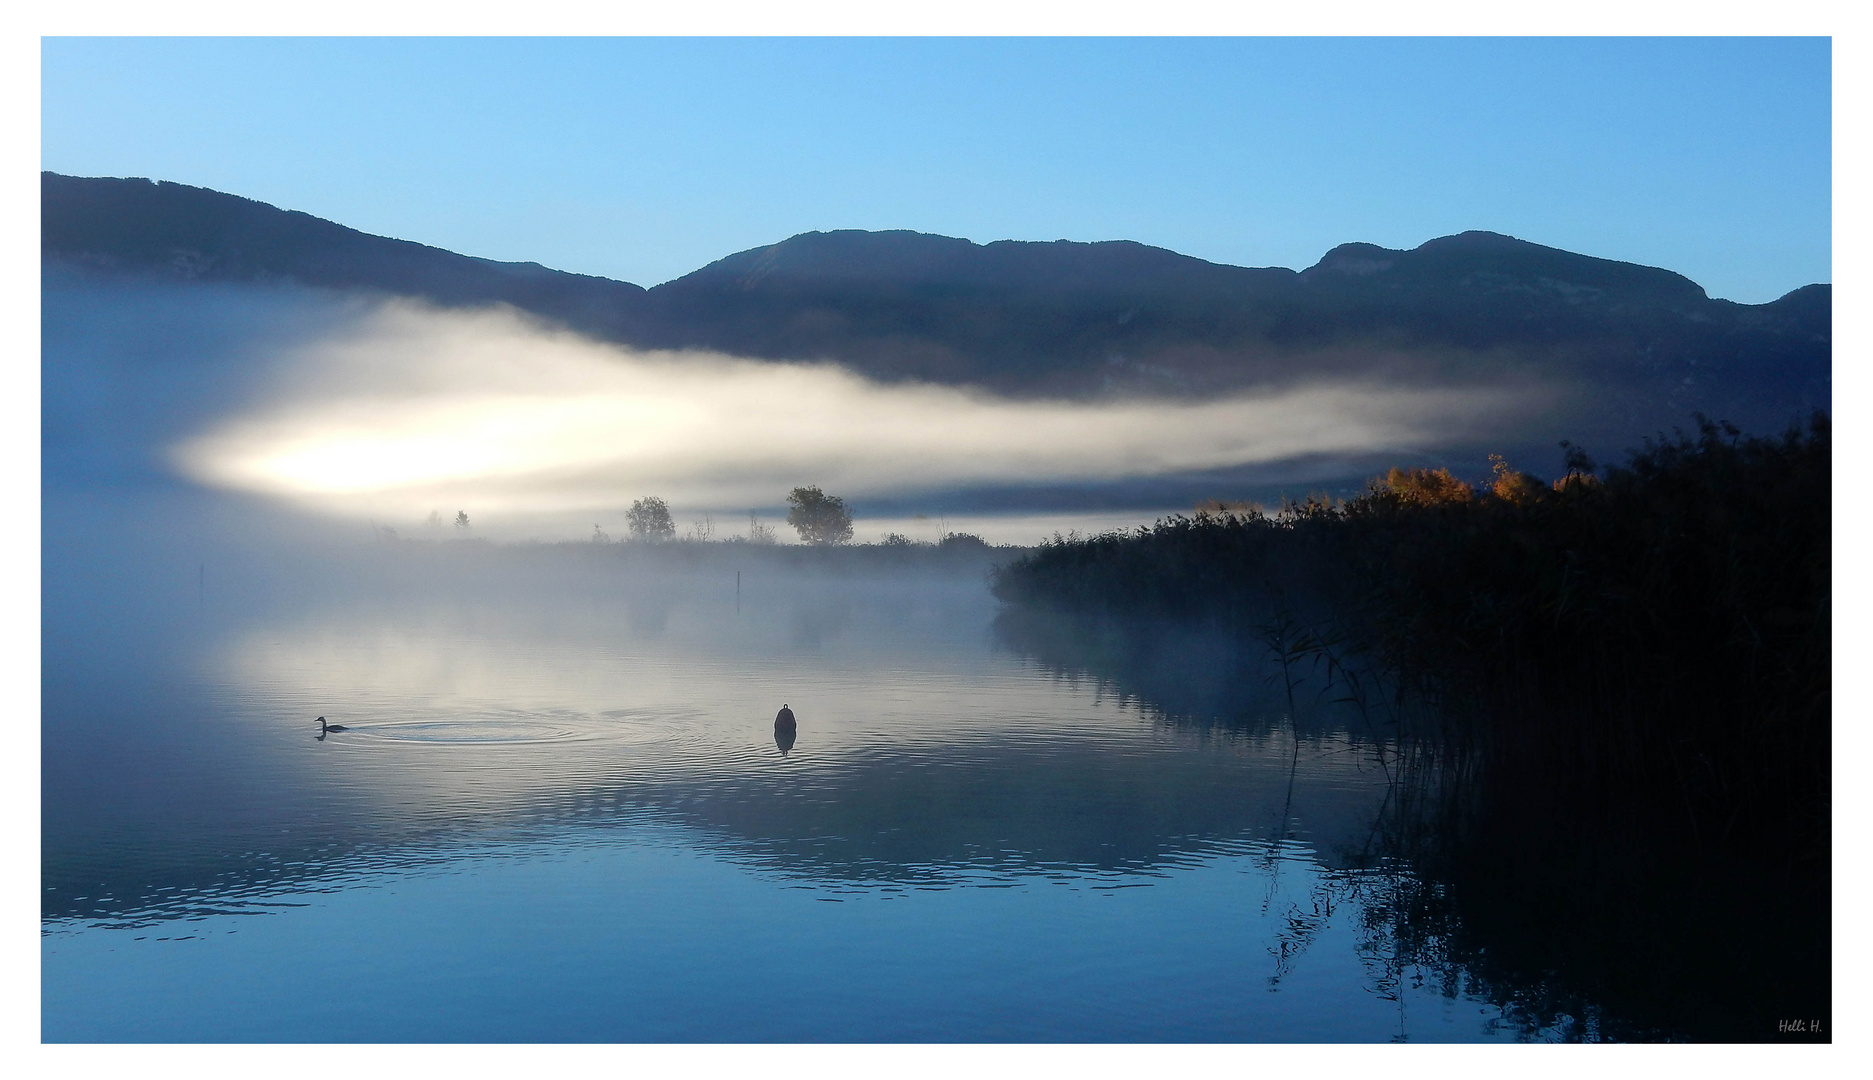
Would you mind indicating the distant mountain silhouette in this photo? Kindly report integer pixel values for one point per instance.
(1641, 347)
(187, 232)
(1072, 317)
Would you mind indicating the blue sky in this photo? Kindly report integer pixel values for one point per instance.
(643, 159)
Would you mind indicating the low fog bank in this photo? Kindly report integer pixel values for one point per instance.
(118, 562)
(384, 411)
(768, 527)
(217, 451)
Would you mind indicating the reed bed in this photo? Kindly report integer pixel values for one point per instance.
(1609, 695)
(1656, 633)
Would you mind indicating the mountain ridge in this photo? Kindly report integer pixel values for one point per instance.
(1061, 318)
(180, 231)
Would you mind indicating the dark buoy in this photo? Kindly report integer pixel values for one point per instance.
(784, 730)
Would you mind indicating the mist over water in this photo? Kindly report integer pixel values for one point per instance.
(559, 810)
(579, 748)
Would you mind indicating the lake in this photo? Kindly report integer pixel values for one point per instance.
(560, 812)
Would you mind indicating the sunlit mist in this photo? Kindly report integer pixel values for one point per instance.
(414, 409)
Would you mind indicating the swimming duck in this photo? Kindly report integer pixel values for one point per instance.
(325, 727)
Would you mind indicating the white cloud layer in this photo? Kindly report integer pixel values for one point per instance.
(415, 409)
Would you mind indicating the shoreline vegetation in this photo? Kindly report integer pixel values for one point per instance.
(954, 549)
(1607, 699)
(823, 522)
(961, 559)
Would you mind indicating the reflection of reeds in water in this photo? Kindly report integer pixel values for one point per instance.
(1608, 703)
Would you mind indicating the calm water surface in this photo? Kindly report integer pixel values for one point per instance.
(561, 814)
